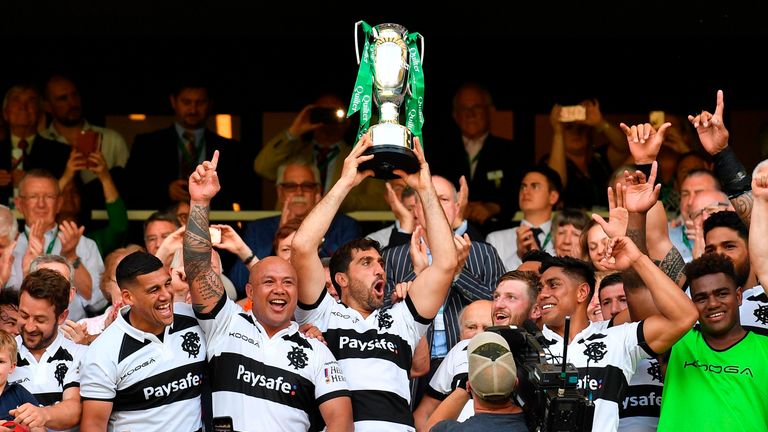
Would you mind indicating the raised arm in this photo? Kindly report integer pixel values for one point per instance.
(617, 145)
(557, 156)
(677, 311)
(758, 229)
(729, 170)
(304, 255)
(205, 285)
(431, 286)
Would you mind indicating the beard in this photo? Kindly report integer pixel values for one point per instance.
(45, 338)
(364, 296)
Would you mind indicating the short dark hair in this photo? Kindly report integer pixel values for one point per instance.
(343, 257)
(193, 81)
(136, 264)
(710, 263)
(704, 172)
(554, 181)
(632, 280)
(611, 279)
(573, 267)
(9, 297)
(535, 255)
(163, 216)
(50, 285)
(530, 279)
(727, 219)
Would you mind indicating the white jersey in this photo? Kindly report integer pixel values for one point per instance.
(57, 370)
(375, 354)
(606, 358)
(153, 384)
(641, 406)
(267, 384)
(453, 370)
(754, 310)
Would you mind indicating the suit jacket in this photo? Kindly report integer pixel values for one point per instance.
(368, 195)
(258, 235)
(154, 164)
(477, 281)
(45, 154)
(497, 176)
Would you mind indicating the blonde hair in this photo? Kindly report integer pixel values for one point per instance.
(8, 343)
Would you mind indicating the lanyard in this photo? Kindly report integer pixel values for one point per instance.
(685, 239)
(50, 245)
(546, 240)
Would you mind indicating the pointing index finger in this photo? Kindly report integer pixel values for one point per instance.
(215, 160)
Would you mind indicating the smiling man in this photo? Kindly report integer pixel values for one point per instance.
(718, 372)
(145, 371)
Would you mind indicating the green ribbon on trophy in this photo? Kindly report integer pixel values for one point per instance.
(362, 95)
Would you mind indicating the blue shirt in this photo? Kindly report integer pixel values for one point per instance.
(13, 397)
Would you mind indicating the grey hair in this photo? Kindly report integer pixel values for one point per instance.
(299, 161)
(18, 89)
(48, 259)
(8, 224)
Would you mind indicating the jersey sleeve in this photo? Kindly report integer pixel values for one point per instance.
(329, 379)
(414, 325)
(634, 343)
(452, 370)
(98, 374)
(319, 313)
(216, 322)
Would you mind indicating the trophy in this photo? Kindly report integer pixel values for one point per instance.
(391, 75)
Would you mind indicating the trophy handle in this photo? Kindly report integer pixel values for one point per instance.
(357, 46)
(422, 48)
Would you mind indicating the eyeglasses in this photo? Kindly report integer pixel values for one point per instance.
(294, 187)
(48, 198)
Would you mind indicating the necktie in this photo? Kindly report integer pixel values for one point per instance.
(23, 147)
(188, 160)
(536, 232)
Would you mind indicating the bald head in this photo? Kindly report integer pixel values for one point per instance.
(709, 201)
(475, 318)
(271, 265)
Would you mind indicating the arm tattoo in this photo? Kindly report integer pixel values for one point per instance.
(197, 259)
(743, 206)
(672, 265)
(638, 237)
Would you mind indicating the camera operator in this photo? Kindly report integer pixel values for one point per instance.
(606, 355)
(492, 378)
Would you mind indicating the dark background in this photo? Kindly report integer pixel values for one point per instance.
(632, 56)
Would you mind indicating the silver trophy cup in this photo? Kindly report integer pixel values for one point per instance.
(392, 142)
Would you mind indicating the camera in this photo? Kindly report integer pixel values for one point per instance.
(572, 113)
(548, 393)
(326, 115)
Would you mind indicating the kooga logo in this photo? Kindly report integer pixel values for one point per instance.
(719, 369)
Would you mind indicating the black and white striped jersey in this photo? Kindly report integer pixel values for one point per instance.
(375, 354)
(606, 358)
(57, 370)
(753, 311)
(153, 384)
(452, 372)
(639, 410)
(267, 384)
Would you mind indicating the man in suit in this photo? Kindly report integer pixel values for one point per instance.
(477, 272)
(322, 143)
(491, 164)
(160, 163)
(298, 191)
(24, 149)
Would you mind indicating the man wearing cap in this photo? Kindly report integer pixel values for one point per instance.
(492, 377)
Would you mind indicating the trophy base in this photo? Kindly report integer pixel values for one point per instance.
(387, 158)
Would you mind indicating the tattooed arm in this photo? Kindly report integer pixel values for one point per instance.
(205, 285)
(743, 206)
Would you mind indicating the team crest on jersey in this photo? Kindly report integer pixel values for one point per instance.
(654, 370)
(190, 343)
(385, 320)
(595, 350)
(297, 358)
(60, 373)
(761, 314)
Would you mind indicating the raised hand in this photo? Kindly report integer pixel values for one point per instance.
(232, 242)
(593, 116)
(34, 245)
(204, 181)
(644, 141)
(710, 127)
(75, 163)
(350, 172)
(640, 195)
(463, 202)
(6, 263)
(97, 164)
(422, 178)
(403, 215)
(69, 234)
(554, 118)
(302, 124)
(463, 244)
(310, 331)
(525, 240)
(620, 254)
(618, 215)
(400, 291)
(418, 251)
(760, 183)
(170, 245)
